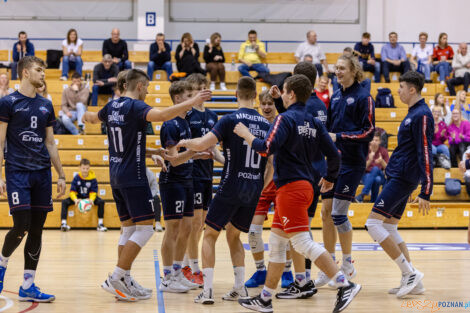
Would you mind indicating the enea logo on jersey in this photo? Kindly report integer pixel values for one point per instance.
(29, 136)
(44, 110)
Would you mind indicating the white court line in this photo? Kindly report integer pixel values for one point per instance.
(8, 303)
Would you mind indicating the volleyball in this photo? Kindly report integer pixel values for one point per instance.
(84, 205)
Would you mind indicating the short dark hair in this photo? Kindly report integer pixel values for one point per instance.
(196, 79)
(366, 35)
(160, 35)
(135, 76)
(300, 85)
(178, 88)
(252, 32)
(308, 69)
(122, 81)
(27, 62)
(348, 49)
(377, 133)
(84, 162)
(392, 33)
(246, 88)
(76, 75)
(414, 79)
(21, 33)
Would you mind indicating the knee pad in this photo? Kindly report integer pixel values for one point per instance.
(255, 238)
(126, 233)
(142, 234)
(393, 231)
(376, 229)
(339, 215)
(277, 248)
(304, 245)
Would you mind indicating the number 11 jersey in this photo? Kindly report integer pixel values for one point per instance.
(126, 124)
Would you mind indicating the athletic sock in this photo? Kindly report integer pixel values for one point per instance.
(267, 293)
(239, 273)
(194, 263)
(167, 272)
(28, 278)
(186, 260)
(260, 265)
(308, 272)
(127, 277)
(333, 256)
(340, 280)
(3, 260)
(288, 265)
(301, 278)
(64, 221)
(100, 221)
(347, 259)
(403, 264)
(118, 273)
(208, 273)
(177, 265)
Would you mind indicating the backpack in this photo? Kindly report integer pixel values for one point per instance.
(384, 98)
(453, 186)
(53, 58)
(59, 128)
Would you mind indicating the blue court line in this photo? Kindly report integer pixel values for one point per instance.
(160, 300)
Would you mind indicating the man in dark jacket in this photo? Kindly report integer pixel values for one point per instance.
(117, 48)
(104, 78)
(160, 57)
(23, 47)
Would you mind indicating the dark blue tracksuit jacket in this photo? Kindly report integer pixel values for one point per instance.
(411, 160)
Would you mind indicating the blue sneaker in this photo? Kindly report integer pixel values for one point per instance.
(2, 275)
(287, 279)
(34, 295)
(258, 278)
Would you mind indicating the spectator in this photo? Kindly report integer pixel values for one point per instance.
(250, 54)
(442, 58)
(461, 66)
(365, 51)
(5, 90)
(160, 57)
(311, 47)
(421, 57)
(440, 135)
(374, 177)
(458, 135)
(104, 78)
(187, 56)
(42, 91)
(446, 115)
(117, 48)
(461, 104)
(215, 59)
(74, 101)
(393, 57)
(84, 186)
(322, 91)
(72, 48)
(23, 47)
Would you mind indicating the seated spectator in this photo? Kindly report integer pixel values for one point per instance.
(5, 90)
(74, 100)
(104, 78)
(42, 91)
(23, 47)
(461, 104)
(84, 186)
(215, 59)
(365, 51)
(322, 90)
(421, 57)
(446, 111)
(442, 58)
(458, 135)
(461, 66)
(187, 56)
(393, 57)
(440, 134)
(72, 48)
(312, 48)
(375, 165)
(117, 48)
(250, 54)
(160, 57)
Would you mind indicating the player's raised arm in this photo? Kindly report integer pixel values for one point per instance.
(3, 133)
(55, 159)
(91, 117)
(199, 144)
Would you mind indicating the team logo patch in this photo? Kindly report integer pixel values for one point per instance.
(211, 122)
(346, 189)
(88, 185)
(407, 121)
(350, 100)
(381, 203)
(44, 110)
(285, 220)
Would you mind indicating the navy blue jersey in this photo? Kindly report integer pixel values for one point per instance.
(200, 124)
(84, 187)
(351, 118)
(412, 158)
(364, 52)
(171, 133)
(243, 173)
(294, 139)
(27, 120)
(126, 123)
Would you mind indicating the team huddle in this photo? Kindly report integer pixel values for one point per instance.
(288, 160)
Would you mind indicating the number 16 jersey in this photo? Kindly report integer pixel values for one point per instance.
(126, 123)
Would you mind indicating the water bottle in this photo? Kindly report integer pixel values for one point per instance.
(233, 63)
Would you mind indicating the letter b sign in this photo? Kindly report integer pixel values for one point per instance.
(150, 19)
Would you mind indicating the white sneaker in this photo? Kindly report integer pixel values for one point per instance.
(321, 280)
(119, 289)
(409, 282)
(235, 294)
(64, 227)
(185, 282)
(223, 87)
(212, 86)
(63, 78)
(101, 228)
(418, 290)
(138, 286)
(158, 227)
(172, 285)
(349, 270)
(205, 297)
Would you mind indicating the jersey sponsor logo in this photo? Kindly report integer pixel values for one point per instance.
(29, 136)
(44, 110)
(22, 110)
(255, 130)
(306, 130)
(115, 160)
(251, 176)
(115, 117)
(13, 98)
(350, 100)
(117, 105)
(407, 121)
(195, 122)
(381, 203)
(346, 189)
(336, 98)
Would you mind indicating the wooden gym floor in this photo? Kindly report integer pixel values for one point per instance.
(74, 264)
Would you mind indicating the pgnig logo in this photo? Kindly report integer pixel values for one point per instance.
(435, 306)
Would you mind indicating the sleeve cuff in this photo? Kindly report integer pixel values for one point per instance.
(424, 196)
(216, 133)
(467, 164)
(330, 179)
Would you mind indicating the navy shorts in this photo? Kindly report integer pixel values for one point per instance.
(346, 184)
(29, 190)
(224, 210)
(177, 200)
(134, 203)
(202, 194)
(392, 200)
(316, 196)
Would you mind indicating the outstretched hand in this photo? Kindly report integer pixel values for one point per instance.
(424, 205)
(241, 130)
